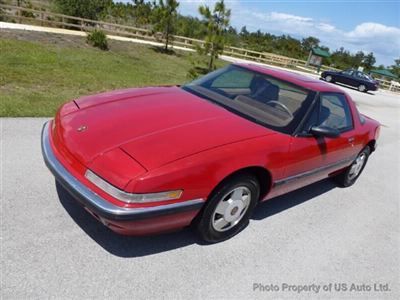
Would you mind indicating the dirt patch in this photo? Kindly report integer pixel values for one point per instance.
(44, 37)
(72, 41)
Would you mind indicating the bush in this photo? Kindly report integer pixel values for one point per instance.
(196, 72)
(2, 15)
(97, 38)
(89, 9)
(198, 69)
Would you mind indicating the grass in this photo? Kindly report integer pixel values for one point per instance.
(37, 77)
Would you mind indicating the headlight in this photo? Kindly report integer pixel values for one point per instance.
(128, 197)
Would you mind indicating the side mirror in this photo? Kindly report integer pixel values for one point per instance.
(324, 131)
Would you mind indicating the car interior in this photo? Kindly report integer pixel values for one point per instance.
(284, 102)
(258, 96)
(338, 116)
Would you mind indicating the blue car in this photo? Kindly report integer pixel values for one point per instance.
(363, 82)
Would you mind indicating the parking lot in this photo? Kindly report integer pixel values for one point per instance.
(318, 235)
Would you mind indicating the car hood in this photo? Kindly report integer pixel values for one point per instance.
(153, 126)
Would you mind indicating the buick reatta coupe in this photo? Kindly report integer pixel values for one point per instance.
(152, 160)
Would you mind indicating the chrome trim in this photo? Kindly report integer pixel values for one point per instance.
(129, 197)
(286, 180)
(96, 203)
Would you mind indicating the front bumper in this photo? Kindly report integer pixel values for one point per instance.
(103, 209)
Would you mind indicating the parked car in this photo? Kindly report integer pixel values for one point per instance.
(363, 82)
(150, 160)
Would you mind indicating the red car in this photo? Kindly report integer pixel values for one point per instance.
(155, 159)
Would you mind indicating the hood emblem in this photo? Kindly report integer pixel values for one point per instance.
(82, 128)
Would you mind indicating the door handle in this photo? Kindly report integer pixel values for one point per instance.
(351, 139)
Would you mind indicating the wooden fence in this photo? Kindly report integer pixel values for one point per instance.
(46, 18)
(40, 16)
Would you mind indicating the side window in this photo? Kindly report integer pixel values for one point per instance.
(348, 72)
(335, 112)
(360, 75)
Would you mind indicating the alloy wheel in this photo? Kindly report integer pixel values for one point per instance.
(231, 209)
(357, 166)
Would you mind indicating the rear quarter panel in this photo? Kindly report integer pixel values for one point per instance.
(363, 132)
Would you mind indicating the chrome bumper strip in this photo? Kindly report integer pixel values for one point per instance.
(97, 204)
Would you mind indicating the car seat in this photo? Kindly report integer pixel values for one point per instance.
(263, 91)
(324, 116)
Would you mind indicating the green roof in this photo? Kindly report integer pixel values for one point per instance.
(320, 52)
(384, 72)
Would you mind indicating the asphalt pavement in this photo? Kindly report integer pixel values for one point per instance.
(309, 243)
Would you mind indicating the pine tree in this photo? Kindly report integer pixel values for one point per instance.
(165, 18)
(217, 23)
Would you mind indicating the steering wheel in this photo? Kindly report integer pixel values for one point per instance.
(280, 104)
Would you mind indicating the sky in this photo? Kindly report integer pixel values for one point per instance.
(356, 25)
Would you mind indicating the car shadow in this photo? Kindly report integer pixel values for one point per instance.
(120, 245)
(133, 246)
(289, 200)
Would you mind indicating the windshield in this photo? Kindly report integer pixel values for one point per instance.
(267, 100)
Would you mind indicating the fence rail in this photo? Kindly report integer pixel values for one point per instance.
(43, 17)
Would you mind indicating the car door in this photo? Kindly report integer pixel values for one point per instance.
(347, 77)
(365, 80)
(362, 79)
(313, 158)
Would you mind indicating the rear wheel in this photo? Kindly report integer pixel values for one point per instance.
(329, 78)
(228, 210)
(350, 175)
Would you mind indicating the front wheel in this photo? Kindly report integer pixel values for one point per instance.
(362, 88)
(329, 78)
(229, 208)
(350, 175)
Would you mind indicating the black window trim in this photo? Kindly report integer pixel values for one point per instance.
(298, 132)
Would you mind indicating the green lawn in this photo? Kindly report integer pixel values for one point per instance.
(36, 77)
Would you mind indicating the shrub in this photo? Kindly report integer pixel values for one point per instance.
(2, 15)
(24, 13)
(89, 9)
(198, 69)
(97, 38)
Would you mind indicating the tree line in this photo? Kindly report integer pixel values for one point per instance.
(214, 27)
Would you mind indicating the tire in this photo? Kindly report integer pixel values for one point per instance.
(226, 214)
(328, 78)
(349, 176)
(362, 88)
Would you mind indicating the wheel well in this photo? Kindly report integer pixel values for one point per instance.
(372, 145)
(262, 175)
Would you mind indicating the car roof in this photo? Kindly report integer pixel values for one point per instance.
(295, 78)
